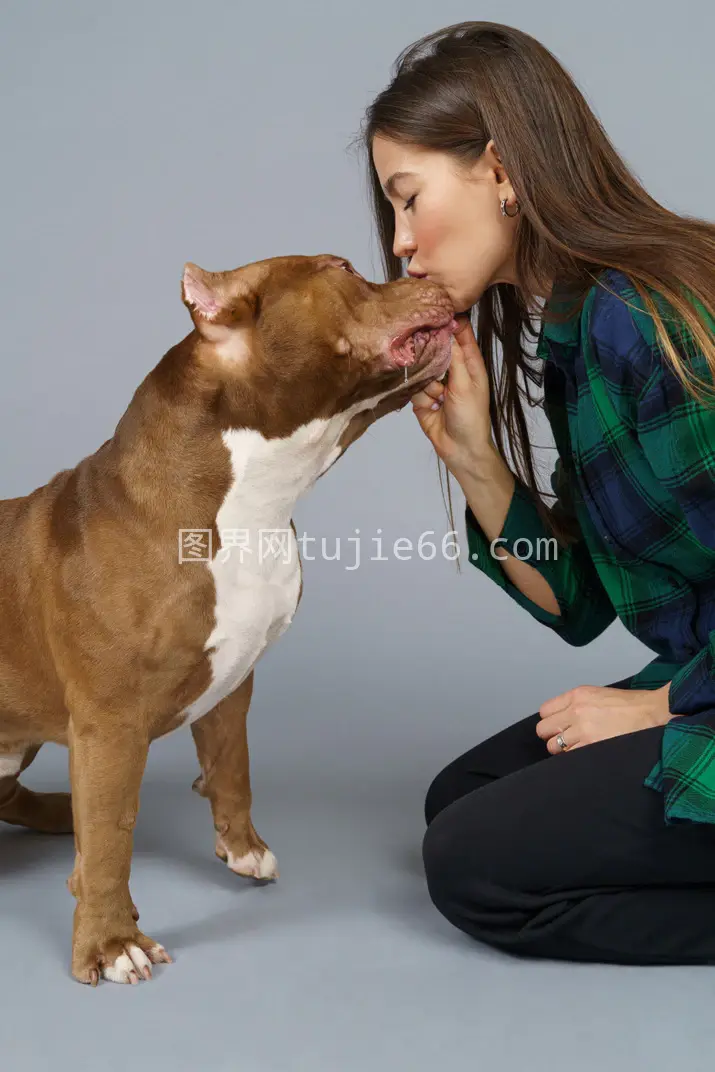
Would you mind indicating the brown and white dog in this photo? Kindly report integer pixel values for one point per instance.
(112, 636)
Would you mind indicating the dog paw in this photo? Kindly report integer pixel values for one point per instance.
(135, 963)
(120, 961)
(258, 862)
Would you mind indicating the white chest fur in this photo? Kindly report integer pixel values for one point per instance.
(257, 571)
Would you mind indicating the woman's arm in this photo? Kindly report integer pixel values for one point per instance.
(489, 492)
(558, 586)
(548, 573)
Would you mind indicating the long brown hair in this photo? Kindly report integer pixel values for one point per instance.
(582, 209)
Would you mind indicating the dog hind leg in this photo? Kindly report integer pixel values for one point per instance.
(48, 813)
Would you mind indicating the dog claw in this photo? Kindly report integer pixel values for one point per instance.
(132, 965)
(160, 956)
(259, 863)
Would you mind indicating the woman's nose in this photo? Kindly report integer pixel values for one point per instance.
(403, 246)
(404, 252)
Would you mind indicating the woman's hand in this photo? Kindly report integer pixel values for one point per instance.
(455, 416)
(592, 713)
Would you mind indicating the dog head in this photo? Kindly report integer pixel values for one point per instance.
(298, 338)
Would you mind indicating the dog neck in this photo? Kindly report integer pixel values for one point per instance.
(271, 474)
(174, 437)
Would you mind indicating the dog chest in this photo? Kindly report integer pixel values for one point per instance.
(253, 608)
(257, 571)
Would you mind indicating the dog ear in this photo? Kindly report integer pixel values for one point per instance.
(222, 306)
(202, 292)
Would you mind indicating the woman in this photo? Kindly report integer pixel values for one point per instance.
(585, 831)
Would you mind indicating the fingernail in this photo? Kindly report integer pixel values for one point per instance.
(441, 397)
(435, 405)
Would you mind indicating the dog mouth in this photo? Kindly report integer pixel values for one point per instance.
(408, 348)
(423, 352)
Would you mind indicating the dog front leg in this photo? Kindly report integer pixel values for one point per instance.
(221, 740)
(107, 760)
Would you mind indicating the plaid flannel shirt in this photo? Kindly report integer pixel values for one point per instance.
(636, 468)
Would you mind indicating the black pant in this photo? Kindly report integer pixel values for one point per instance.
(568, 856)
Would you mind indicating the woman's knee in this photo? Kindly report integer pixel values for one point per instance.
(436, 849)
(453, 782)
(440, 794)
(483, 841)
(456, 861)
(466, 879)
(510, 749)
(457, 849)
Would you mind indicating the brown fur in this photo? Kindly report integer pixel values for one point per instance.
(104, 635)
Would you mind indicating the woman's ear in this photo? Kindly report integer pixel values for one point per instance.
(494, 161)
(492, 151)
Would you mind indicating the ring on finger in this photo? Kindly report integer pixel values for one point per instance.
(561, 742)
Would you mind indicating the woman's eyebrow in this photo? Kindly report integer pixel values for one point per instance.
(389, 186)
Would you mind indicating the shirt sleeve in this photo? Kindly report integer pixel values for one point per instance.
(586, 609)
(677, 435)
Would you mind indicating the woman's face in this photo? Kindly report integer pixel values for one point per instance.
(450, 226)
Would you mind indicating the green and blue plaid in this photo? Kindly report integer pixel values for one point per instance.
(636, 469)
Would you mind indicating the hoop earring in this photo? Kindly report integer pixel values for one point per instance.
(509, 214)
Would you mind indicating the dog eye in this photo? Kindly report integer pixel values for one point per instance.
(348, 267)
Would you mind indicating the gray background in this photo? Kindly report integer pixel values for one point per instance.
(136, 136)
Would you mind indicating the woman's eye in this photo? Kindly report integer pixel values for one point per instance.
(410, 203)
